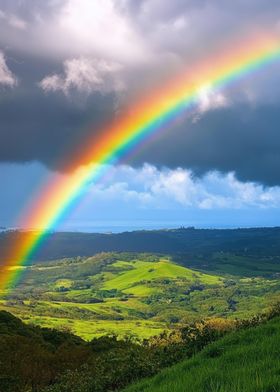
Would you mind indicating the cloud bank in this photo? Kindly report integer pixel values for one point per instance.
(147, 194)
(68, 66)
(150, 187)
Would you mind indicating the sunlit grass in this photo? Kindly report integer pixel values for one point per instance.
(95, 328)
(244, 361)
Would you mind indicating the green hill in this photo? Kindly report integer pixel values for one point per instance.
(133, 275)
(243, 361)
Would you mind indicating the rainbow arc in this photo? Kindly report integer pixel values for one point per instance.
(140, 121)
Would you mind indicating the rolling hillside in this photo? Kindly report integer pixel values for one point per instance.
(133, 294)
(243, 361)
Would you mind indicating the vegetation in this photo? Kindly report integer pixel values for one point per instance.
(132, 294)
(244, 361)
(122, 317)
(44, 360)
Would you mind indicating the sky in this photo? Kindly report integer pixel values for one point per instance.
(67, 67)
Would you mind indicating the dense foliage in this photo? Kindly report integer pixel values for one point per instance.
(36, 359)
(247, 360)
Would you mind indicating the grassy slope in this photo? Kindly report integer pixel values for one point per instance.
(244, 361)
(144, 271)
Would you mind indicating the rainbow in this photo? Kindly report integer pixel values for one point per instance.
(149, 115)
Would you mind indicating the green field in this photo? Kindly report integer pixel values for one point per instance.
(135, 294)
(243, 361)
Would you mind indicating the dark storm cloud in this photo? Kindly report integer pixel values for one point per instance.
(45, 127)
(48, 125)
(242, 139)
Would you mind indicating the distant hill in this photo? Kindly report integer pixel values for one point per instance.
(246, 361)
(193, 242)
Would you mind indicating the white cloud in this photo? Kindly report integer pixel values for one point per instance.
(209, 99)
(151, 193)
(85, 75)
(6, 76)
(149, 187)
(99, 28)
